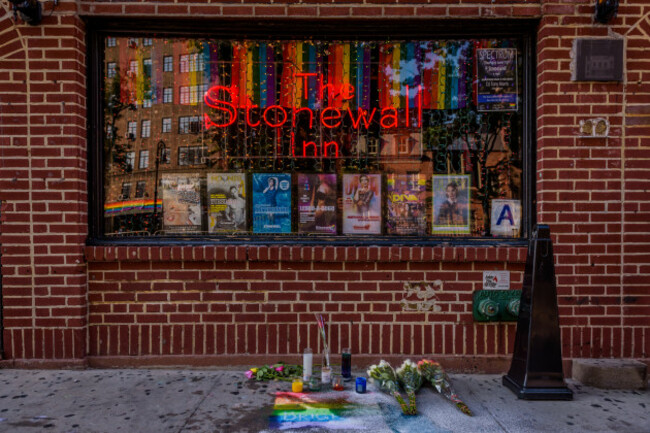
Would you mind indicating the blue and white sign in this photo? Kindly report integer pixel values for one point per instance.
(506, 218)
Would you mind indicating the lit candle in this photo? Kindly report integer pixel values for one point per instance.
(307, 362)
(296, 385)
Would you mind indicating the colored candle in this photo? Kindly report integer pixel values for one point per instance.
(307, 362)
(296, 385)
(346, 364)
(361, 385)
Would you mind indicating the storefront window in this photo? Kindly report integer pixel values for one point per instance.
(250, 138)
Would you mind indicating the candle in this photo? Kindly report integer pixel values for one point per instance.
(307, 362)
(296, 385)
(361, 385)
(326, 375)
(346, 364)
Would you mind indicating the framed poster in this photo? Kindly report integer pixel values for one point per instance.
(496, 79)
(317, 203)
(271, 203)
(181, 200)
(451, 198)
(405, 204)
(227, 202)
(505, 218)
(361, 203)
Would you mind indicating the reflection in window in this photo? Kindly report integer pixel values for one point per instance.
(140, 189)
(167, 95)
(167, 124)
(192, 155)
(132, 130)
(168, 64)
(110, 69)
(133, 68)
(147, 67)
(144, 159)
(145, 129)
(130, 161)
(188, 124)
(126, 191)
(417, 138)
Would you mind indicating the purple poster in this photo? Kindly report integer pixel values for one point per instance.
(317, 203)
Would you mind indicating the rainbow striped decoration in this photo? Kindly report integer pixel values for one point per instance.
(329, 410)
(253, 75)
(142, 82)
(439, 69)
(349, 63)
(132, 205)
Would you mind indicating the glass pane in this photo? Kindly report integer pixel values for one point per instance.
(252, 137)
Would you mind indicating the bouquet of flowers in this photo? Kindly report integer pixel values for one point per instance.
(434, 374)
(279, 371)
(410, 378)
(385, 378)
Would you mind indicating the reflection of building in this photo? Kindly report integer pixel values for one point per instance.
(159, 89)
(402, 144)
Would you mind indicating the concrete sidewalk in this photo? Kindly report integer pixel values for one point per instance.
(142, 401)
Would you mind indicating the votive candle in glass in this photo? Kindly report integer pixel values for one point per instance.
(307, 363)
(360, 385)
(296, 385)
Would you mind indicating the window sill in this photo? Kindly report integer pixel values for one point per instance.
(514, 253)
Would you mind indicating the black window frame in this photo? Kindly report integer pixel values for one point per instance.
(525, 30)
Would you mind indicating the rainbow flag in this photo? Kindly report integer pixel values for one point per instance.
(348, 71)
(132, 205)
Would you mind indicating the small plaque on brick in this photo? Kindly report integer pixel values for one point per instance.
(597, 60)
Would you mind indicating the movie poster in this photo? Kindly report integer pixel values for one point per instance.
(505, 218)
(362, 203)
(317, 203)
(451, 199)
(497, 79)
(271, 203)
(181, 197)
(227, 200)
(406, 204)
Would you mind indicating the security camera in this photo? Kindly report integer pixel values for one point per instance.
(29, 11)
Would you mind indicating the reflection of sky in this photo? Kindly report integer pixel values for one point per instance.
(453, 54)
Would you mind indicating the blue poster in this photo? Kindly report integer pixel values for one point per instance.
(271, 203)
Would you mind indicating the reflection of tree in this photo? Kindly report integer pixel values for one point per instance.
(486, 145)
(116, 145)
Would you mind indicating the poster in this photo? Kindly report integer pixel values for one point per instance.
(451, 198)
(181, 196)
(496, 79)
(317, 203)
(405, 204)
(505, 218)
(362, 203)
(227, 202)
(271, 203)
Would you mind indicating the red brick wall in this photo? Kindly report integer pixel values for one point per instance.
(258, 300)
(43, 185)
(214, 300)
(593, 191)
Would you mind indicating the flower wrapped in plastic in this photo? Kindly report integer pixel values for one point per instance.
(280, 371)
(385, 378)
(410, 378)
(434, 373)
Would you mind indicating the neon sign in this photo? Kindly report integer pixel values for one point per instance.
(226, 108)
